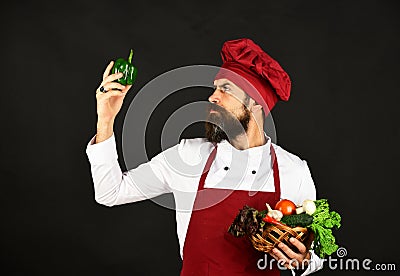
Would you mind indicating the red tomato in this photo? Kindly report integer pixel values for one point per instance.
(286, 206)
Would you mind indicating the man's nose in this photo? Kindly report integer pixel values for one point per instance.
(215, 97)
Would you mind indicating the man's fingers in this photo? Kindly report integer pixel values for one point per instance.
(280, 257)
(116, 93)
(296, 259)
(112, 78)
(110, 94)
(300, 246)
(108, 69)
(280, 261)
(287, 257)
(126, 89)
(289, 252)
(114, 85)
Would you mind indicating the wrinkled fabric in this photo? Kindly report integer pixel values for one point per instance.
(209, 249)
(255, 72)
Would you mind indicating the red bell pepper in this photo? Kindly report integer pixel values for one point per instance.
(273, 221)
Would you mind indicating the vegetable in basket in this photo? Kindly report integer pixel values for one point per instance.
(247, 222)
(286, 206)
(276, 214)
(323, 223)
(302, 220)
(250, 222)
(271, 220)
(308, 206)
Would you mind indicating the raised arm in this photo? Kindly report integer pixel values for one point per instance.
(111, 185)
(110, 96)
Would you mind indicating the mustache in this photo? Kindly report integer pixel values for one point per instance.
(221, 117)
(212, 107)
(217, 108)
(223, 125)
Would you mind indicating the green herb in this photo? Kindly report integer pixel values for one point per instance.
(323, 223)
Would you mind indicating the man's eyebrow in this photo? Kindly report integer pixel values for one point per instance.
(224, 84)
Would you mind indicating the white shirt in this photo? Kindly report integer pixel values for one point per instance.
(178, 169)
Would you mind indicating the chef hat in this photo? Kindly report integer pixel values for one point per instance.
(255, 72)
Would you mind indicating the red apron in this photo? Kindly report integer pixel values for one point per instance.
(209, 249)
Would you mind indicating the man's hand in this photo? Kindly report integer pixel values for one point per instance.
(109, 102)
(289, 258)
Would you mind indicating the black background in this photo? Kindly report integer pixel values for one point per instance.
(342, 56)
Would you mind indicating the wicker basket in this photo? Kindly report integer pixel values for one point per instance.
(274, 234)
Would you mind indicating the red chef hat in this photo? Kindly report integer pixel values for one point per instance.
(255, 72)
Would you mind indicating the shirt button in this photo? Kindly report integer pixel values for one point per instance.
(253, 172)
(226, 168)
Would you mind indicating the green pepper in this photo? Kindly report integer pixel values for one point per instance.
(126, 67)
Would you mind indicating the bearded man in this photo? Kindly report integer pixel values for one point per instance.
(238, 165)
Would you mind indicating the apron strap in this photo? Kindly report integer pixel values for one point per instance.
(207, 167)
(277, 182)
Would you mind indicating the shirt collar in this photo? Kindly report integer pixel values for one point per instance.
(226, 146)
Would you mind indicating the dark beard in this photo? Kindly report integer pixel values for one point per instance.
(223, 125)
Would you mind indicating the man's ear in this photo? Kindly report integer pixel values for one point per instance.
(255, 108)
